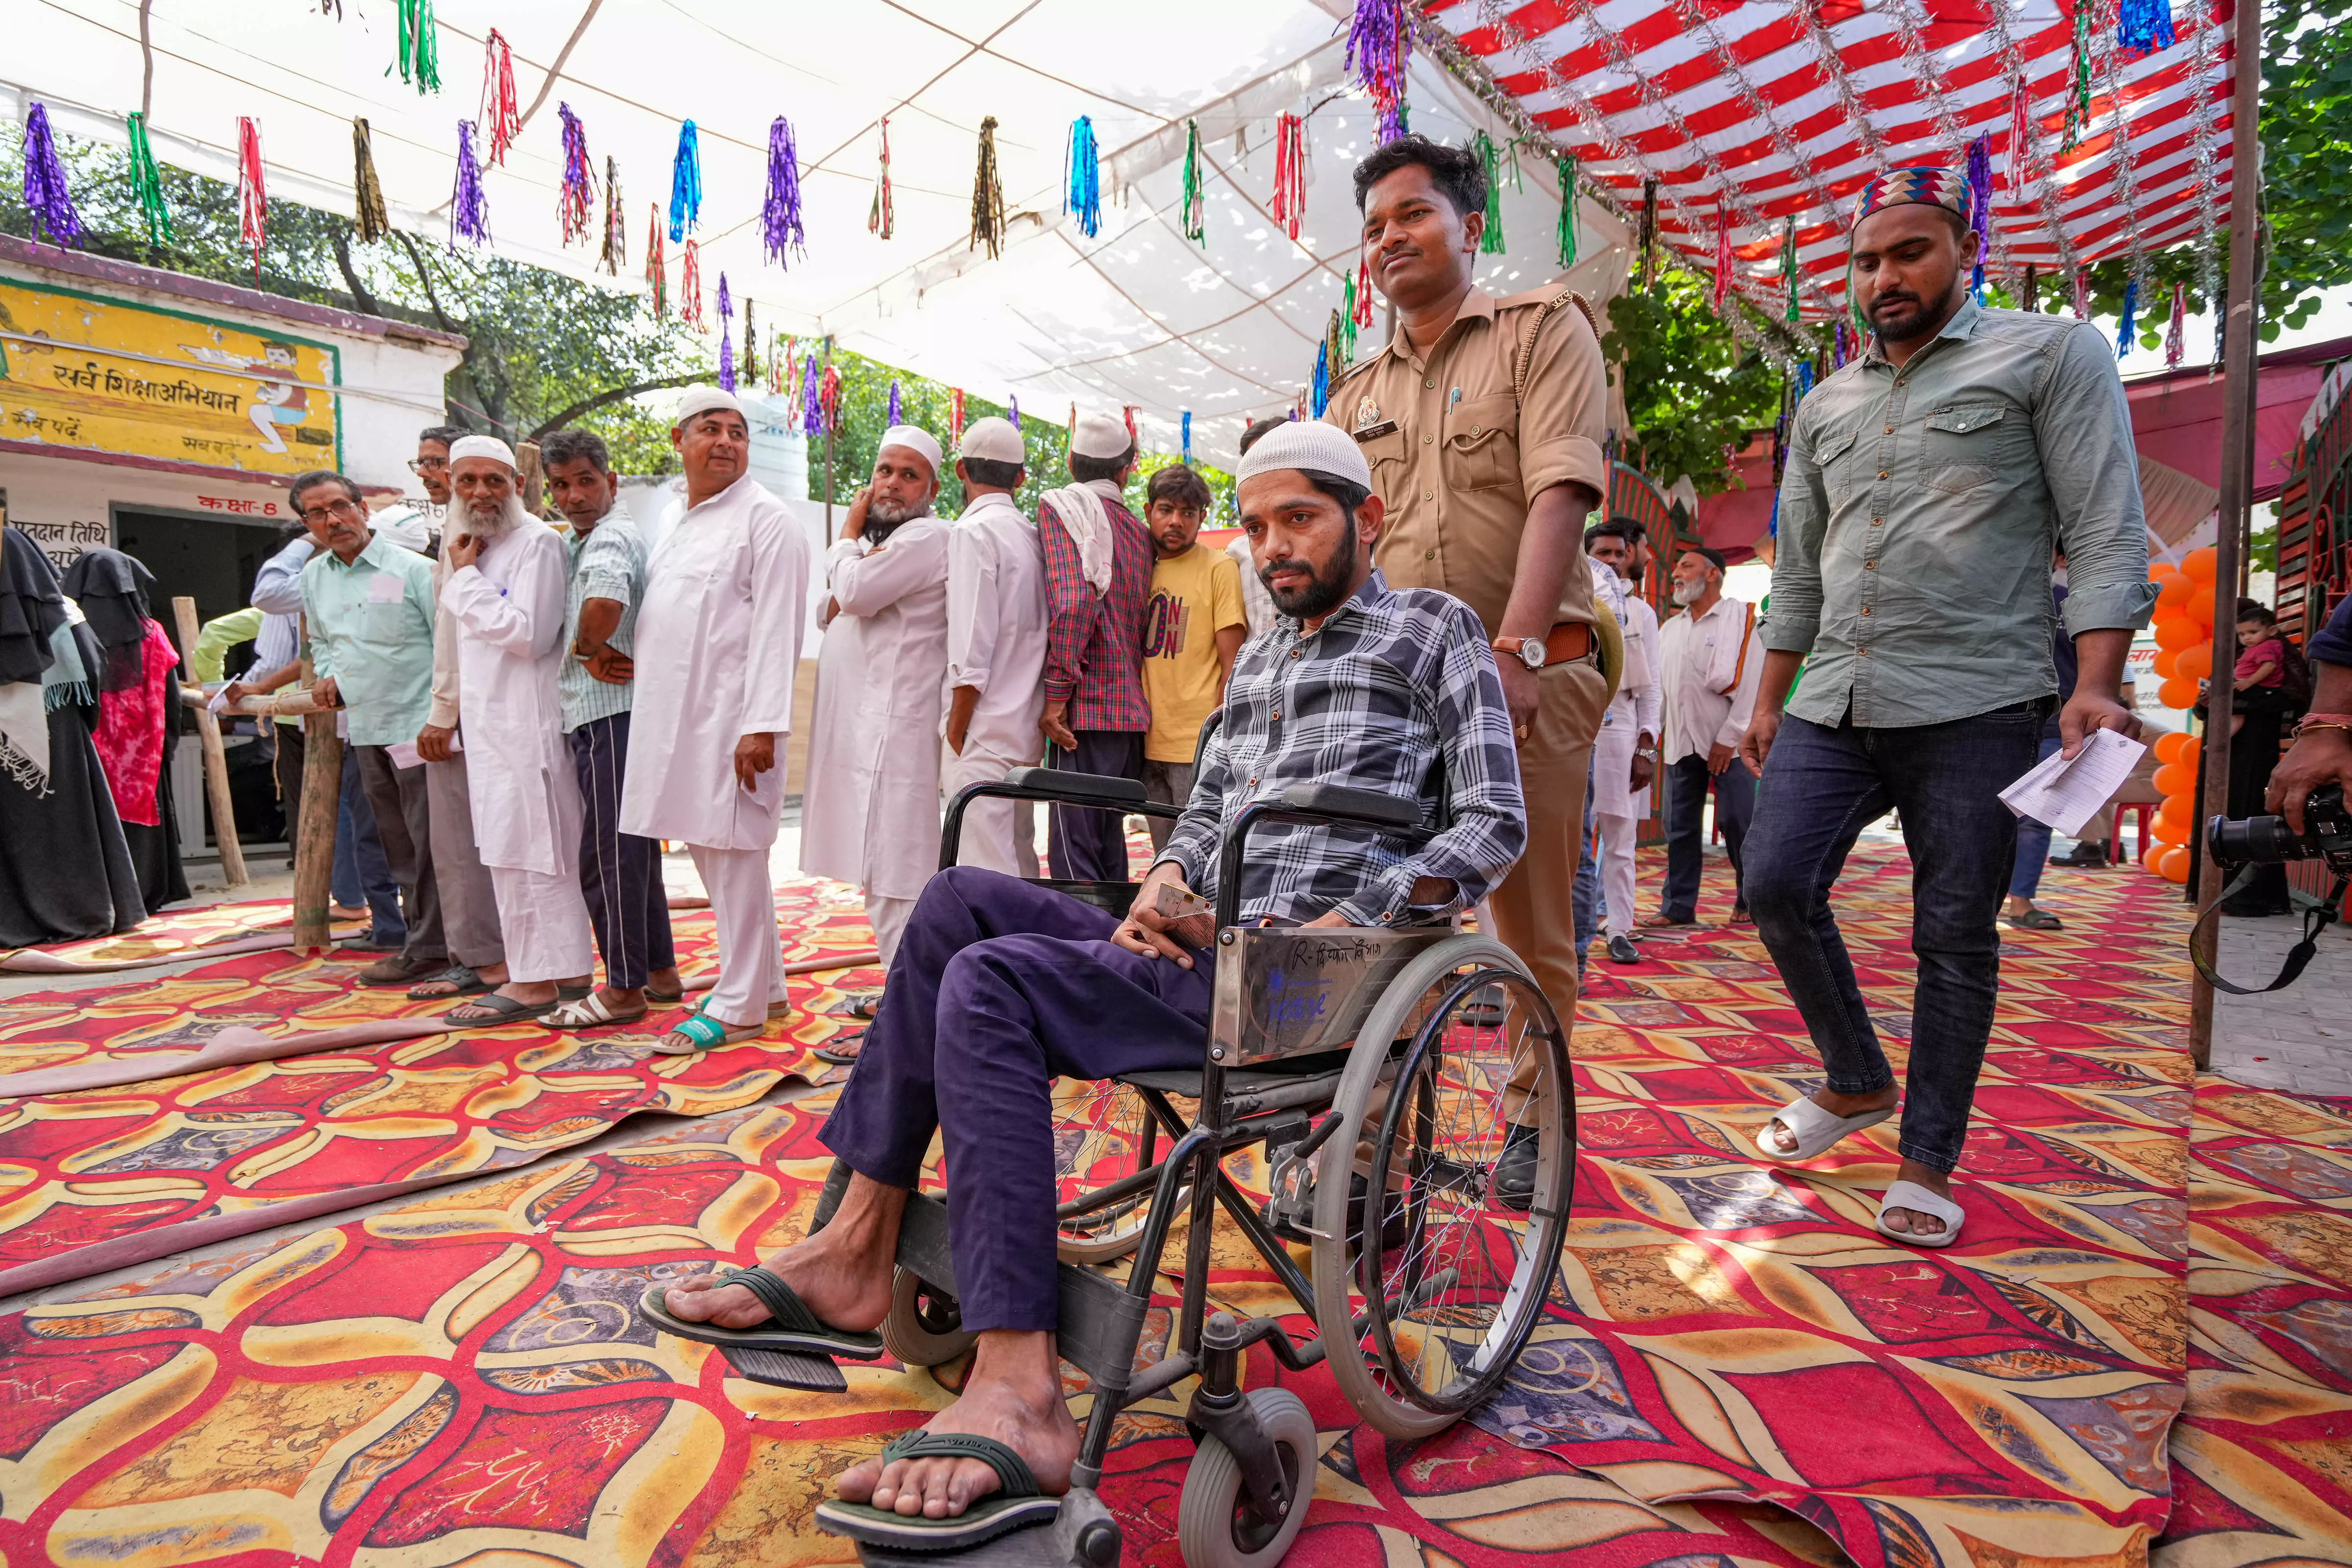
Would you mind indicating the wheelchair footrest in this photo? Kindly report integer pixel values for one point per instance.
(787, 1368)
(1082, 1535)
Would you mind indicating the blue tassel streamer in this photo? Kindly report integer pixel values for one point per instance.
(2131, 308)
(1188, 437)
(1773, 527)
(1082, 177)
(1319, 397)
(2143, 27)
(685, 183)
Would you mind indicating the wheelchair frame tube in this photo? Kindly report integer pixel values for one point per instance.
(951, 831)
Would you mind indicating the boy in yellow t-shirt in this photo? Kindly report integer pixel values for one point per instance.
(1191, 630)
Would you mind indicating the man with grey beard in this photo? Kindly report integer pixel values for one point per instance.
(506, 589)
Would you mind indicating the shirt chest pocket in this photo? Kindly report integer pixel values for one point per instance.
(1385, 454)
(1963, 446)
(385, 623)
(1833, 457)
(1481, 444)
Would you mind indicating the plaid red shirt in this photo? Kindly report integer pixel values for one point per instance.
(1094, 646)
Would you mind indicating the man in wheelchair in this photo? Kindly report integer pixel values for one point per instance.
(999, 987)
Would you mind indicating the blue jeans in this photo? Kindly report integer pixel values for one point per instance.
(1584, 901)
(2033, 841)
(360, 870)
(1687, 782)
(1821, 785)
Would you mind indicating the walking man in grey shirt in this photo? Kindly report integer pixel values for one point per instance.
(1927, 484)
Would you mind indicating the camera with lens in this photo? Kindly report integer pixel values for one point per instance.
(2269, 841)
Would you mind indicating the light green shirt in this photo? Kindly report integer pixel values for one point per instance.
(210, 659)
(1920, 508)
(372, 629)
(607, 562)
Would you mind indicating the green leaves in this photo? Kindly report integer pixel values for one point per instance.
(1689, 396)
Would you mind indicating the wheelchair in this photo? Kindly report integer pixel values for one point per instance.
(1383, 1072)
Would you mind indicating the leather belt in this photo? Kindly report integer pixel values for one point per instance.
(1567, 641)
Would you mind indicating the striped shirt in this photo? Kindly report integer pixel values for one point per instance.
(1094, 645)
(607, 562)
(1396, 692)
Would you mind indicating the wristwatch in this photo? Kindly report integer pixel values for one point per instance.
(1649, 751)
(1529, 650)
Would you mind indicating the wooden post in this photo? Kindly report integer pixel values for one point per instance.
(208, 736)
(2238, 371)
(314, 830)
(529, 476)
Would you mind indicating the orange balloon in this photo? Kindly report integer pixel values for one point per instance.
(2175, 810)
(2165, 832)
(2173, 864)
(2168, 663)
(2174, 633)
(2172, 589)
(2191, 750)
(2174, 779)
(2194, 663)
(2167, 746)
(2198, 565)
(2201, 610)
(2178, 692)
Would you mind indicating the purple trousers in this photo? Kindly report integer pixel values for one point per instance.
(1000, 987)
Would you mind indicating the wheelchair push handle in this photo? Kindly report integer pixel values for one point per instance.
(1313, 806)
(1098, 792)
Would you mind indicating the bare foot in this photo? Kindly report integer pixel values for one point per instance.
(841, 1273)
(1836, 1104)
(1014, 1395)
(1911, 1222)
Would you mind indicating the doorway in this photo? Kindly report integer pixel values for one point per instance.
(211, 560)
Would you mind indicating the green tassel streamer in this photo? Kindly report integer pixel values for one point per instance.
(1567, 237)
(1789, 265)
(1491, 242)
(1348, 319)
(147, 185)
(1194, 220)
(2078, 107)
(420, 49)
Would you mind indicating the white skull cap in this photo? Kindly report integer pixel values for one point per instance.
(1309, 444)
(1100, 435)
(702, 400)
(915, 438)
(992, 440)
(482, 446)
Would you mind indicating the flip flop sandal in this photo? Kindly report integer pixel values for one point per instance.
(791, 1326)
(590, 1012)
(467, 981)
(704, 1033)
(831, 1051)
(864, 1006)
(506, 1008)
(1016, 1504)
(1816, 1129)
(1919, 1199)
(2035, 920)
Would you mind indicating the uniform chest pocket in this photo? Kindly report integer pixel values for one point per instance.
(1963, 444)
(1481, 444)
(1387, 447)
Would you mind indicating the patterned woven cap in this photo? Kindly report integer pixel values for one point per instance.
(1927, 184)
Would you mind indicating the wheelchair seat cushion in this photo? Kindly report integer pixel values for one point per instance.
(791, 1326)
(1015, 1503)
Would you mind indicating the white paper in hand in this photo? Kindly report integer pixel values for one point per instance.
(2064, 792)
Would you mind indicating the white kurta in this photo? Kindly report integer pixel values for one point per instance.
(1632, 712)
(718, 640)
(996, 628)
(508, 607)
(1709, 669)
(870, 814)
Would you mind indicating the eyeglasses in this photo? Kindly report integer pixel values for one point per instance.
(428, 465)
(319, 515)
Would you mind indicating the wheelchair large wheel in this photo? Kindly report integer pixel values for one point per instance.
(1215, 1526)
(924, 1327)
(1101, 1131)
(1447, 1280)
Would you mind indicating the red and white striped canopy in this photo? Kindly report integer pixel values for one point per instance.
(1785, 111)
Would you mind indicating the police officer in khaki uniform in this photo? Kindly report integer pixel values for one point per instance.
(1482, 420)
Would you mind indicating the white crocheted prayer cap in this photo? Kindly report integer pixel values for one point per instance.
(915, 438)
(1100, 435)
(702, 400)
(992, 440)
(482, 446)
(1309, 444)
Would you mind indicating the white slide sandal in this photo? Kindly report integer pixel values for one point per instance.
(1816, 1129)
(1919, 1199)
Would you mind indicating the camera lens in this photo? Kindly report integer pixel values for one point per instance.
(2254, 840)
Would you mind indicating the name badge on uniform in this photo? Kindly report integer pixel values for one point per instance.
(384, 588)
(1367, 432)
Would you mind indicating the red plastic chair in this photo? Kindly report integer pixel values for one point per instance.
(2147, 812)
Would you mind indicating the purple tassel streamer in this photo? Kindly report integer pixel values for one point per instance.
(1980, 206)
(470, 210)
(812, 401)
(1379, 49)
(1012, 406)
(45, 182)
(779, 217)
(579, 196)
(894, 418)
(726, 337)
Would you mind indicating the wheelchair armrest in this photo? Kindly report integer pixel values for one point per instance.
(1085, 789)
(1367, 807)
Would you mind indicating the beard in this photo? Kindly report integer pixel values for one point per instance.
(487, 519)
(1908, 317)
(1327, 589)
(1688, 593)
(884, 518)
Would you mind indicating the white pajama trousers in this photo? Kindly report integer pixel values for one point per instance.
(1617, 837)
(750, 955)
(543, 920)
(888, 918)
(998, 834)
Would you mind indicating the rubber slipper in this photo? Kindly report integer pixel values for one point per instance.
(590, 1012)
(1816, 1129)
(2035, 920)
(702, 1032)
(861, 1006)
(506, 1008)
(467, 981)
(1018, 1501)
(791, 1326)
(1919, 1199)
(833, 1050)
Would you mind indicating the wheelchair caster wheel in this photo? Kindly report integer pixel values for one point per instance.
(923, 1327)
(1216, 1525)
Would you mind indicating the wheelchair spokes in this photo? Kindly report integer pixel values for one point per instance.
(1102, 1132)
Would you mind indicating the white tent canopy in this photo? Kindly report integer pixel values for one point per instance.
(1137, 315)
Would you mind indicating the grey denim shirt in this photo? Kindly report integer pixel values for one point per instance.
(1920, 508)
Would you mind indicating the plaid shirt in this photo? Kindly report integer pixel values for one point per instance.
(1094, 646)
(1396, 692)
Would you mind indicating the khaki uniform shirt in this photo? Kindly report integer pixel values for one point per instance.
(1458, 474)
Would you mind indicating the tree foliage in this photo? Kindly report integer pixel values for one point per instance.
(1692, 397)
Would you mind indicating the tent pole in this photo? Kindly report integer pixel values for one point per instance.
(2237, 372)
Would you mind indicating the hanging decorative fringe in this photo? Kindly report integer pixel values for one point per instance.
(420, 50)
(2131, 309)
(1837, 345)
(1649, 231)
(2082, 293)
(955, 414)
(779, 363)
(578, 197)
(1193, 221)
(2078, 102)
(1319, 394)
(1289, 207)
(726, 335)
(2020, 146)
(2030, 300)
(880, 218)
(1082, 177)
(1127, 414)
(751, 344)
(894, 407)
(685, 183)
(1185, 425)
(1334, 351)
(689, 290)
(2143, 27)
(367, 192)
(811, 399)
(252, 192)
(1070, 430)
(1362, 314)
(147, 184)
(1980, 208)
(1379, 49)
(505, 121)
(46, 194)
(615, 254)
(1566, 236)
(656, 268)
(987, 196)
(780, 230)
(828, 398)
(1348, 320)
(2176, 334)
(469, 208)
(1012, 410)
(1723, 262)
(1490, 240)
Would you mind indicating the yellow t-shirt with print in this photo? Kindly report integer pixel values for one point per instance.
(1193, 596)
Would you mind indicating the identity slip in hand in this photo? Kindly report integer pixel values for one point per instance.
(2064, 791)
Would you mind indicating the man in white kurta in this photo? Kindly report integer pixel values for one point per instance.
(506, 591)
(870, 812)
(718, 641)
(996, 649)
(1710, 659)
(1625, 752)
